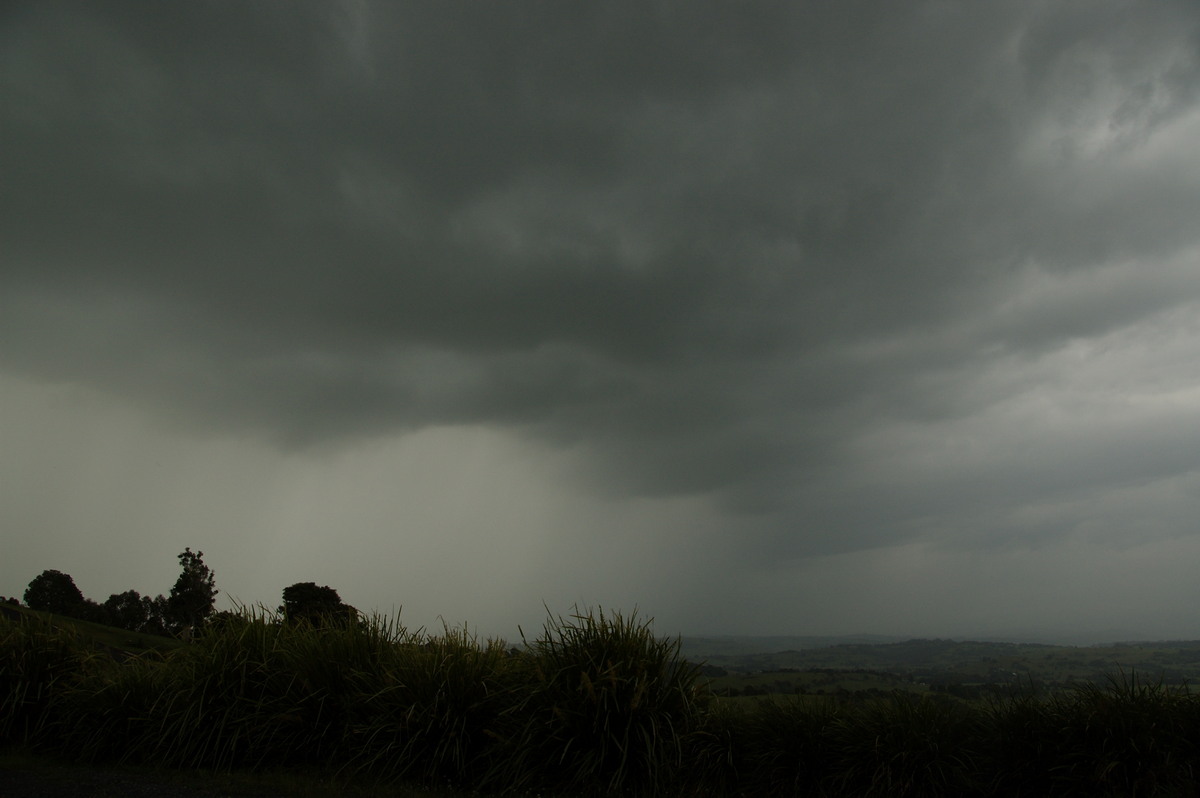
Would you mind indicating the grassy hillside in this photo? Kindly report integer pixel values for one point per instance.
(98, 635)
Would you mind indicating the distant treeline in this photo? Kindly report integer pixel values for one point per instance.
(190, 604)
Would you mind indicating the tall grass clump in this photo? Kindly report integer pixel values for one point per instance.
(104, 714)
(601, 706)
(326, 659)
(216, 703)
(773, 747)
(712, 755)
(905, 746)
(1129, 737)
(1023, 742)
(428, 710)
(276, 693)
(246, 693)
(37, 662)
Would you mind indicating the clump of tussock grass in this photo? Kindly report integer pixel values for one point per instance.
(37, 661)
(713, 758)
(217, 703)
(249, 692)
(1023, 744)
(327, 662)
(904, 746)
(773, 747)
(428, 711)
(1129, 737)
(600, 705)
(104, 713)
(271, 693)
(810, 746)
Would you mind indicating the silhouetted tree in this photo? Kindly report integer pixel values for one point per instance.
(194, 595)
(89, 610)
(307, 601)
(127, 610)
(156, 615)
(54, 591)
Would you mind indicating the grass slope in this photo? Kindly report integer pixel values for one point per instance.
(108, 638)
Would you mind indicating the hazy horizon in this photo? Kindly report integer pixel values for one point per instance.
(799, 318)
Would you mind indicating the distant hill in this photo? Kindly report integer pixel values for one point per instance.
(1175, 662)
(743, 645)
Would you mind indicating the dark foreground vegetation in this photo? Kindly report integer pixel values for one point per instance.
(594, 705)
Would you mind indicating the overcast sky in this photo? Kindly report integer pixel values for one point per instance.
(760, 317)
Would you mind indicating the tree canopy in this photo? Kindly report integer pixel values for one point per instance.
(127, 610)
(194, 595)
(54, 591)
(190, 603)
(313, 603)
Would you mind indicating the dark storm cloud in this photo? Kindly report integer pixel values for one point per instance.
(725, 249)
